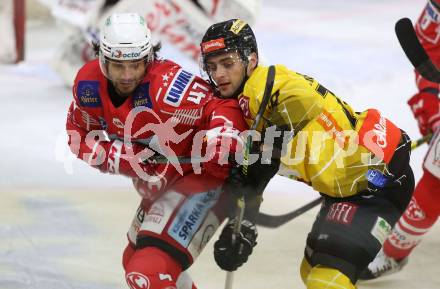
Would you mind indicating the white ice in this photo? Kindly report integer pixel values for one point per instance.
(63, 224)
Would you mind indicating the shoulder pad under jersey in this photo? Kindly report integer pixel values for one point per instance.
(177, 88)
(87, 86)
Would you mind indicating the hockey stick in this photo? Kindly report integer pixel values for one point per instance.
(240, 201)
(420, 141)
(415, 51)
(271, 221)
(422, 63)
(411, 46)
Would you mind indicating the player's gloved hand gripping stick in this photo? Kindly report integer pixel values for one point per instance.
(240, 200)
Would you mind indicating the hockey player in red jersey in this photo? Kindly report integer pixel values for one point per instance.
(179, 23)
(128, 107)
(424, 208)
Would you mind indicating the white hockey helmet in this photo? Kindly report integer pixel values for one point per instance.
(124, 36)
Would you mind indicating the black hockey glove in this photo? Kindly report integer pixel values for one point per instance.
(230, 256)
(259, 173)
(256, 180)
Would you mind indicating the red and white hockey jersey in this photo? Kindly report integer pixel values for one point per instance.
(167, 112)
(428, 31)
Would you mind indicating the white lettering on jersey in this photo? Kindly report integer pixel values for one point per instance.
(114, 156)
(430, 17)
(178, 88)
(165, 277)
(137, 280)
(195, 95)
(380, 130)
(118, 123)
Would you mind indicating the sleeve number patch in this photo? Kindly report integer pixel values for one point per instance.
(197, 92)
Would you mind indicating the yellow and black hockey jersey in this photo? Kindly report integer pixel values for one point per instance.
(332, 148)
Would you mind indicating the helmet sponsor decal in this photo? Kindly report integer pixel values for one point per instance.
(213, 45)
(237, 26)
(118, 54)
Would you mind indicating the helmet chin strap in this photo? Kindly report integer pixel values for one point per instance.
(237, 92)
(243, 82)
(240, 89)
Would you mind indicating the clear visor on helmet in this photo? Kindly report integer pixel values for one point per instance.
(123, 70)
(215, 64)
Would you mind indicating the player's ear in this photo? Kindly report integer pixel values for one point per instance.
(252, 63)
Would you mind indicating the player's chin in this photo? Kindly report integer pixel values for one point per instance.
(127, 88)
(226, 92)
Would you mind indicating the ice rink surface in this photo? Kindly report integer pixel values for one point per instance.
(63, 224)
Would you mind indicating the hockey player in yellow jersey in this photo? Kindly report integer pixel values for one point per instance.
(359, 161)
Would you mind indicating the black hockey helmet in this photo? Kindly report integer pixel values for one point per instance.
(227, 36)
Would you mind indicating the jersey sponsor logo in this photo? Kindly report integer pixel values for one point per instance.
(204, 234)
(244, 105)
(156, 213)
(190, 216)
(237, 26)
(323, 237)
(342, 213)
(87, 93)
(213, 45)
(414, 212)
(381, 229)
(331, 126)
(136, 224)
(427, 25)
(137, 280)
(432, 12)
(380, 129)
(118, 123)
(141, 96)
(160, 212)
(376, 178)
(379, 135)
(402, 239)
(178, 88)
